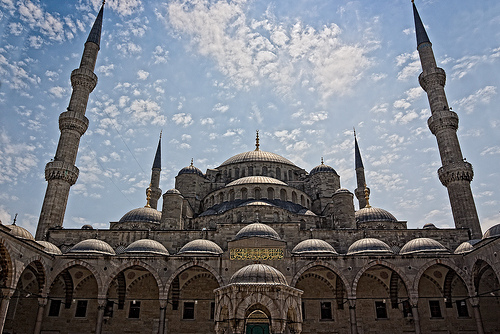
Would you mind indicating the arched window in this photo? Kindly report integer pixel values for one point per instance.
(257, 193)
(283, 195)
(278, 173)
(221, 197)
(290, 175)
(302, 200)
(264, 171)
(250, 171)
(276, 217)
(236, 173)
(244, 193)
(270, 193)
(231, 195)
(294, 197)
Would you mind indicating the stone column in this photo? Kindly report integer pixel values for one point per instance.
(416, 318)
(42, 302)
(477, 314)
(352, 316)
(161, 324)
(6, 294)
(100, 314)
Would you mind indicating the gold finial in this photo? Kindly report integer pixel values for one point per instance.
(257, 141)
(191, 161)
(103, 2)
(354, 129)
(367, 197)
(161, 131)
(322, 161)
(412, 1)
(148, 196)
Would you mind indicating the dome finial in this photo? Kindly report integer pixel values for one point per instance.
(367, 197)
(257, 141)
(322, 162)
(15, 218)
(354, 129)
(192, 162)
(148, 197)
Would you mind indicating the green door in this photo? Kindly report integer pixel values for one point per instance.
(257, 329)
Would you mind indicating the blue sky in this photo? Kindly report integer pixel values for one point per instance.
(210, 73)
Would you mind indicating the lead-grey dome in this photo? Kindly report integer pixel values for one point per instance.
(92, 246)
(261, 156)
(142, 215)
(258, 274)
(371, 214)
(20, 232)
(146, 246)
(257, 230)
(322, 169)
(466, 246)
(313, 247)
(200, 247)
(173, 191)
(493, 231)
(369, 246)
(50, 247)
(256, 179)
(191, 170)
(422, 245)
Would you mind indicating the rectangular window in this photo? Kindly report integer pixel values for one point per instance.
(134, 310)
(381, 310)
(435, 309)
(81, 309)
(188, 310)
(462, 310)
(326, 311)
(55, 307)
(212, 310)
(108, 311)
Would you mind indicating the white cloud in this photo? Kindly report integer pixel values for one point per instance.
(106, 70)
(142, 75)
(144, 111)
(220, 108)
(16, 159)
(315, 117)
(160, 55)
(57, 91)
(481, 96)
(183, 119)
(207, 121)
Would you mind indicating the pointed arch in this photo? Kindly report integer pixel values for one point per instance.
(168, 284)
(320, 263)
(97, 275)
(446, 263)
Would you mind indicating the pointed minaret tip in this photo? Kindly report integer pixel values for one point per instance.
(95, 33)
(419, 27)
(157, 161)
(357, 154)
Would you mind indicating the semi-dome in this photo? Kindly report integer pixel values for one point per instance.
(142, 215)
(173, 191)
(191, 169)
(369, 246)
(146, 246)
(256, 179)
(422, 245)
(257, 230)
(258, 274)
(313, 247)
(258, 155)
(92, 246)
(20, 232)
(493, 231)
(50, 247)
(322, 169)
(371, 214)
(466, 246)
(200, 247)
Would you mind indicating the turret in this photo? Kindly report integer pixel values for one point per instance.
(155, 178)
(455, 173)
(360, 175)
(61, 172)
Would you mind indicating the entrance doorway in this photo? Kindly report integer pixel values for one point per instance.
(257, 323)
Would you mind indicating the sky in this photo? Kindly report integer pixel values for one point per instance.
(209, 73)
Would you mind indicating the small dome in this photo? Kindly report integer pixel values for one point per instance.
(322, 169)
(256, 180)
(191, 170)
(466, 246)
(142, 215)
(147, 246)
(369, 246)
(92, 246)
(430, 226)
(257, 230)
(256, 202)
(173, 191)
(200, 247)
(258, 274)
(20, 232)
(371, 214)
(50, 248)
(87, 227)
(257, 156)
(493, 231)
(342, 190)
(422, 245)
(312, 247)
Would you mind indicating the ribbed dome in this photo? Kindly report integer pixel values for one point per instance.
(466, 246)
(430, 226)
(92, 246)
(256, 179)
(422, 245)
(200, 247)
(313, 246)
(258, 274)
(142, 215)
(50, 248)
(342, 190)
(257, 156)
(369, 246)
(257, 230)
(493, 231)
(146, 246)
(190, 170)
(322, 169)
(256, 202)
(372, 214)
(20, 232)
(173, 191)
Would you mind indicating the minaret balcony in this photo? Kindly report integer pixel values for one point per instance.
(442, 120)
(455, 171)
(61, 170)
(83, 77)
(72, 120)
(428, 80)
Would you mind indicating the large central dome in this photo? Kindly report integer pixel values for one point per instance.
(257, 155)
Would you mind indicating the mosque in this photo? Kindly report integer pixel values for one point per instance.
(257, 245)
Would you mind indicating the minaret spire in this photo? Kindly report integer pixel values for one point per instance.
(154, 191)
(61, 173)
(455, 173)
(361, 189)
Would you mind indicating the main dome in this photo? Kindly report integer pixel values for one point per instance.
(371, 214)
(258, 274)
(256, 179)
(259, 155)
(142, 215)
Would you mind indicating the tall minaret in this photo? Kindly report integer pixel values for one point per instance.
(61, 172)
(155, 178)
(455, 174)
(360, 175)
